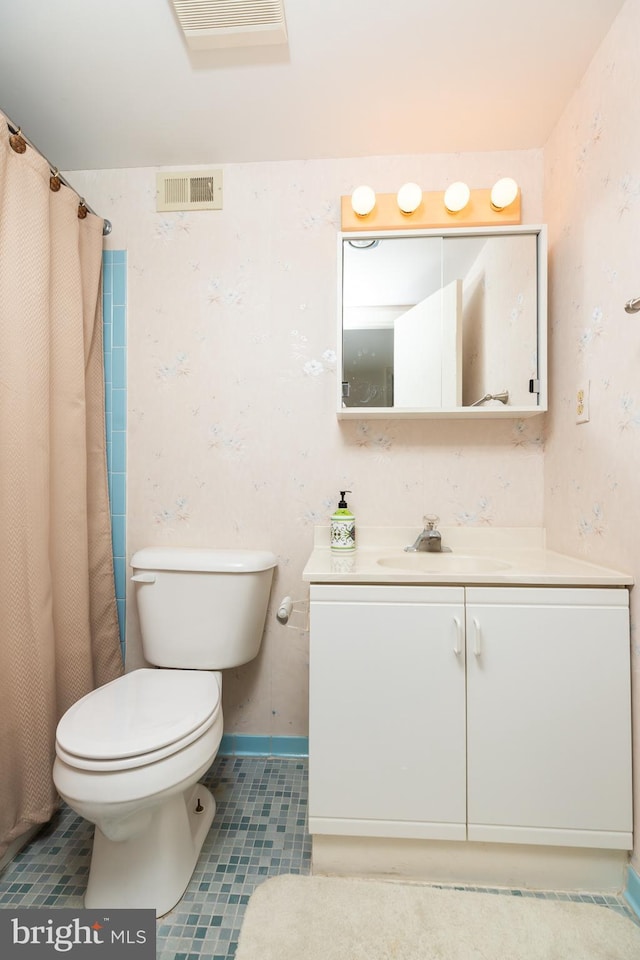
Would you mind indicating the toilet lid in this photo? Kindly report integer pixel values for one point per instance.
(139, 712)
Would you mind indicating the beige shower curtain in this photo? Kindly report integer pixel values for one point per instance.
(58, 620)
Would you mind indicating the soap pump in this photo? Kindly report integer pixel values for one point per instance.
(343, 526)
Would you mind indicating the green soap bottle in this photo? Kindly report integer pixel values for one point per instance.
(343, 526)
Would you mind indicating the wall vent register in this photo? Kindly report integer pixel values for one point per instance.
(186, 191)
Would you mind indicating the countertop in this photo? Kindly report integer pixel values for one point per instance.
(511, 555)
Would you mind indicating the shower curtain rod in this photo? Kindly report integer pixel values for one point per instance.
(106, 224)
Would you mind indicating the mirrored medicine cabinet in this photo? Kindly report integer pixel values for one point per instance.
(443, 323)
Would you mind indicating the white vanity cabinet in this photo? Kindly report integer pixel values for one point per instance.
(387, 711)
(549, 716)
(478, 713)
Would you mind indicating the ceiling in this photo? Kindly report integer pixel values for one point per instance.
(101, 84)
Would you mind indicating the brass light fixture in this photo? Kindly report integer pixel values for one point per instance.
(409, 198)
(503, 193)
(412, 209)
(363, 201)
(457, 196)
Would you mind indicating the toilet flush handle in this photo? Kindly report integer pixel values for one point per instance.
(144, 578)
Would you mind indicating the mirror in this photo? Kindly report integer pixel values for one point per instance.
(443, 323)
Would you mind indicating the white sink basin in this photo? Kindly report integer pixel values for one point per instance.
(449, 563)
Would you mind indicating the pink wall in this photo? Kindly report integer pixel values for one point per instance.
(233, 436)
(592, 207)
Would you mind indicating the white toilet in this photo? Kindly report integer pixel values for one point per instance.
(129, 754)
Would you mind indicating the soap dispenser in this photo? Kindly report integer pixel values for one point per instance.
(343, 526)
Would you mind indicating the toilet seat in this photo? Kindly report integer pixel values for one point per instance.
(138, 719)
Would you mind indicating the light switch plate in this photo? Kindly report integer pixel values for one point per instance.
(582, 402)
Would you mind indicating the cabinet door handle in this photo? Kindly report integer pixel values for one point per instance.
(457, 649)
(477, 638)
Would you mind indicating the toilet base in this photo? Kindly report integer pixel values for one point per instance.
(152, 869)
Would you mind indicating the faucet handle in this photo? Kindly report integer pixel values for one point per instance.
(430, 521)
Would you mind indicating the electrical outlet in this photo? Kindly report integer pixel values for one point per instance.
(582, 402)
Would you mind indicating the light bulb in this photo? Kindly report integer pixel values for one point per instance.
(456, 196)
(503, 193)
(363, 200)
(409, 198)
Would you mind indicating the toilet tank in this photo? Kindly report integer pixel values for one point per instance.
(201, 609)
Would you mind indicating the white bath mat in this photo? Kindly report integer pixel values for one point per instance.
(327, 918)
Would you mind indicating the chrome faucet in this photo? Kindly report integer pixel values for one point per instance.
(430, 539)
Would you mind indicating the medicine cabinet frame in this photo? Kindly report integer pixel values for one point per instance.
(496, 410)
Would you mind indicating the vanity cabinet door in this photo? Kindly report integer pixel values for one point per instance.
(548, 716)
(387, 711)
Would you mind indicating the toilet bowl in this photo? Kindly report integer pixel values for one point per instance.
(128, 758)
(129, 754)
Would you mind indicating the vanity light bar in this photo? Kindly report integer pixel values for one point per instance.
(385, 213)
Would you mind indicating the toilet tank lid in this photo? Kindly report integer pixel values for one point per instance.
(202, 559)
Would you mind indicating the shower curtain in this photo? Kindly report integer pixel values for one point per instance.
(58, 619)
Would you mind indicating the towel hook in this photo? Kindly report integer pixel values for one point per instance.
(633, 305)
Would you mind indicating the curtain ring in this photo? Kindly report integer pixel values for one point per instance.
(82, 210)
(17, 142)
(54, 181)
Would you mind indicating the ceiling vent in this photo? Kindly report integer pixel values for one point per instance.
(208, 24)
(189, 191)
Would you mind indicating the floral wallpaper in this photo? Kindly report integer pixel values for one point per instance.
(233, 439)
(592, 207)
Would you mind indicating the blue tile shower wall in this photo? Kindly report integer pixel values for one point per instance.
(114, 310)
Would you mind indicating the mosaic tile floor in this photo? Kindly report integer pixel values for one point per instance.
(260, 830)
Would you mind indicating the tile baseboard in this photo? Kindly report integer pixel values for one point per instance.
(250, 745)
(632, 893)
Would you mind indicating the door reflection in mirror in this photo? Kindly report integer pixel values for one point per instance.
(438, 321)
